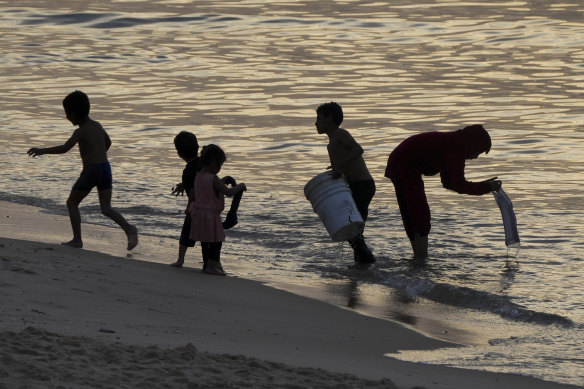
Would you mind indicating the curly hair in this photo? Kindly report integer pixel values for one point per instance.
(331, 109)
(212, 153)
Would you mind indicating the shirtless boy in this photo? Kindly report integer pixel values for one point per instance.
(94, 143)
(346, 156)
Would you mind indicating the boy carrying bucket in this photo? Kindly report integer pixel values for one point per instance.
(346, 156)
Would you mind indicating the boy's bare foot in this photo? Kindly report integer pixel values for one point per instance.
(178, 263)
(132, 237)
(78, 244)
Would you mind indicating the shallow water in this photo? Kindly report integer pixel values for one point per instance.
(249, 75)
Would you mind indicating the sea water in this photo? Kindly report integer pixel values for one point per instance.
(248, 76)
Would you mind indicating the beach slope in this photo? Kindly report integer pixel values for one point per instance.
(82, 318)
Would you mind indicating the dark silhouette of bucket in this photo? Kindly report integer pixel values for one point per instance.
(332, 200)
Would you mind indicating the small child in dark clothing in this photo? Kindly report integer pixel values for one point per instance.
(187, 148)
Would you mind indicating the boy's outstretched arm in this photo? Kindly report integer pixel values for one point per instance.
(61, 149)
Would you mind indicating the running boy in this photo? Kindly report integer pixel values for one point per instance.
(94, 143)
(346, 156)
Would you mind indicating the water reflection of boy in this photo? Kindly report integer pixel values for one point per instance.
(428, 154)
(346, 157)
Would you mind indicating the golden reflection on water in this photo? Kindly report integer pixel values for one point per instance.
(396, 68)
(249, 76)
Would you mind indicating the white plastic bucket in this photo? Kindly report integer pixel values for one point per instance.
(332, 200)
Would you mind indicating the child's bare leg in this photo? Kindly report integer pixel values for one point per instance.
(214, 268)
(75, 198)
(420, 247)
(105, 197)
(182, 250)
(212, 251)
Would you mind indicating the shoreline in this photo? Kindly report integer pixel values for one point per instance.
(113, 298)
(28, 222)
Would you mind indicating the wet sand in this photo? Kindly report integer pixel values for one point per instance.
(99, 317)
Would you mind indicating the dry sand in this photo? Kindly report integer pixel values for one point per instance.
(74, 318)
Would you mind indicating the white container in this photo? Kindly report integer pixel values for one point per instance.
(332, 200)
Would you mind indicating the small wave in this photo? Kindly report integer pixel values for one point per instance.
(282, 146)
(62, 19)
(124, 21)
(112, 20)
(465, 297)
(48, 205)
(142, 210)
(291, 21)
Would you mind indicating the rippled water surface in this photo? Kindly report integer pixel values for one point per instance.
(248, 75)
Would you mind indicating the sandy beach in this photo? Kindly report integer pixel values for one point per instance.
(86, 318)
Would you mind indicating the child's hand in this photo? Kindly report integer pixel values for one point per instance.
(337, 173)
(178, 189)
(495, 185)
(33, 152)
(228, 180)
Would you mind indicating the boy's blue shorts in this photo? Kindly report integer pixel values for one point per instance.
(99, 174)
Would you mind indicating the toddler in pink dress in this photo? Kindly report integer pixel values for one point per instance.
(205, 210)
